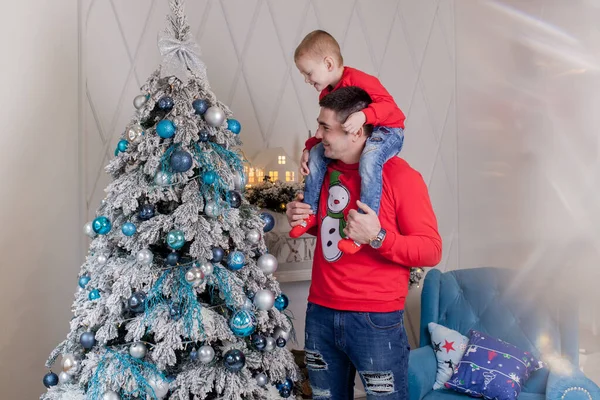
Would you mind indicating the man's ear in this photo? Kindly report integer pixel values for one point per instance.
(359, 134)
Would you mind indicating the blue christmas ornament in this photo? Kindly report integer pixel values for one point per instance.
(269, 221)
(204, 135)
(94, 294)
(234, 360)
(146, 212)
(235, 260)
(218, 254)
(175, 239)
(173, 259)
(243, 323)
(137, 302)
(87, 340)
(181, 161)
(101, 225)
(282, 302)
(175, 311)
(234, 126)
(209, 177)
(280, 342)
(234, 198)
(83, 281)
(50, 379)
(194, 354)
(165, 129)
(123, 145)
(259, 342)
(287, 384)
(285, 393)
(128, 229)
(200, 106)
(165, 103)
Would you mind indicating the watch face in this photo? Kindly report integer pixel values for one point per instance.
(376, 243)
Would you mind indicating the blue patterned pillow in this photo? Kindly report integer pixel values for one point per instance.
(492, 369)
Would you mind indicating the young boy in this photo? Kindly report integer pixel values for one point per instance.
(319, 60)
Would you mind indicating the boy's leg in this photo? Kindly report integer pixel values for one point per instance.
(317, 164)
(330, 371)
(383, 144)
(377, 345)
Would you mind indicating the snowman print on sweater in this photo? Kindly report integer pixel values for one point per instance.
(333, 224)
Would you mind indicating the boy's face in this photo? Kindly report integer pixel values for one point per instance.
(316, 72)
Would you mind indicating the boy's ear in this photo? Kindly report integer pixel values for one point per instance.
(329, 63)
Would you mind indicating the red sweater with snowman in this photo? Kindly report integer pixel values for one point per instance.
(373, 280)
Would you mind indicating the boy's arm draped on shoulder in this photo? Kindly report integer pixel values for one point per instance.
(383, 105)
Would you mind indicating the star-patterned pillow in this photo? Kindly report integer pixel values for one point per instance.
(449, 347)
(492, 369)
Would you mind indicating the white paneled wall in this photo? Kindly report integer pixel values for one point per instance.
(248, 47)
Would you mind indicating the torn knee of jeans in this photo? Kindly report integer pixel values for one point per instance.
(315, 361)
(318, 393)
(378, 382)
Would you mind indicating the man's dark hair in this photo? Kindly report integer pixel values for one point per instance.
(346, 101)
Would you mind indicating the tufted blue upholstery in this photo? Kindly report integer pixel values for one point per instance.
(491, 301)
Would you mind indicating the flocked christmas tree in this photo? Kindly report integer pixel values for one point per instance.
(177, 298)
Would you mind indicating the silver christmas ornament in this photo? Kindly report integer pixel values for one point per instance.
(88, 230)
(211, 209)
(267, 263)
(261, 379)
(101, 259)
(110, 395)
(178, 121)
(138, 350)
(247, 304)
(214, 116)
(139, 101)
(271, 344)
(63, 377)
(134, 133)
(207, 268)
(206, 354)
(68, 362)
(239, 181)
(253, 236)
(279, 332)
(144, 257)
(162, 178)
(264, 300)
(190, 276)
(160, 387)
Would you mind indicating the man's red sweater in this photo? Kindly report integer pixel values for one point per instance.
(382, 112)
(373, 280)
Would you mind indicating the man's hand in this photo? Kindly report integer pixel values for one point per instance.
(297, 211)
(304, 163)
(354, 122)
(362, 227)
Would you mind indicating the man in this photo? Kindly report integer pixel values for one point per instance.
(354, 318)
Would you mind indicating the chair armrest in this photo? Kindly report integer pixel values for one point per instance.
(571, 386)
(422, 369)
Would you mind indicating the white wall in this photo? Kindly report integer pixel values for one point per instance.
(39, 206)
(248, 47)
(528, 144)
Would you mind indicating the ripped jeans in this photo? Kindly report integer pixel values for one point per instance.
(338, 343)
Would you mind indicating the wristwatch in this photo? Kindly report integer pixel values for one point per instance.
(377, 241)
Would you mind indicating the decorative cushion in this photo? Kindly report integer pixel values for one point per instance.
(449, 346)
(492, 368)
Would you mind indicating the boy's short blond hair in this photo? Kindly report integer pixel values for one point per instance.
(319, 43)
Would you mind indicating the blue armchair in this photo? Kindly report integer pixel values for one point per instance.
(489, 300)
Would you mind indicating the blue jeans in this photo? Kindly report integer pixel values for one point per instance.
(338, 343)
(383, 144)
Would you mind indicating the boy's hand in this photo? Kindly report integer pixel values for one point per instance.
(355, 122)
(304, 163)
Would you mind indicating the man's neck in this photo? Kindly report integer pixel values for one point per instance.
(352, 157)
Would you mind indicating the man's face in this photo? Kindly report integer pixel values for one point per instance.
(336, 142)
